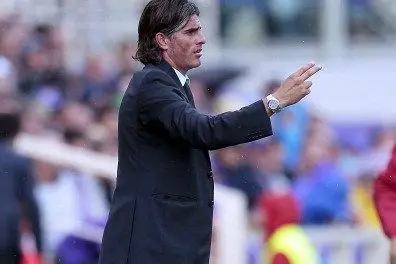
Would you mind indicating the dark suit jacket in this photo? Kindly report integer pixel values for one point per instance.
(162, 207)
(16, 198)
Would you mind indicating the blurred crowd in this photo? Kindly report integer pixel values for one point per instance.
(75, 106)
(326, 168)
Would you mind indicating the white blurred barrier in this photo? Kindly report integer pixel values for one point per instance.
(338, 244)
(52, 151)
(350, 245)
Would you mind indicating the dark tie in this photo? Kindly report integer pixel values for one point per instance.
(187, 90)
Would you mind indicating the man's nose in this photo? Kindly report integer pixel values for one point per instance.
(202, 39)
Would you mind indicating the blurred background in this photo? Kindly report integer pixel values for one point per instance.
(64, 65)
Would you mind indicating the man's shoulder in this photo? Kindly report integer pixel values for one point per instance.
(150, 74)
(150, 71)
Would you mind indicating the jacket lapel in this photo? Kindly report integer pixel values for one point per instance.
(166, 67)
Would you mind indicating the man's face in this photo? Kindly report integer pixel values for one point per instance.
(184, 48)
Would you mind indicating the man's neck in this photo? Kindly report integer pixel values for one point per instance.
(174, 66)
(184, 72)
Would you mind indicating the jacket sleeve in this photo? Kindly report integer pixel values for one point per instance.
(161, 102)
(388, 176)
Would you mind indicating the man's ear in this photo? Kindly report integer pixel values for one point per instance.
(162, 41)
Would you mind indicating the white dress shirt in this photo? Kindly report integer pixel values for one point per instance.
(183, 78)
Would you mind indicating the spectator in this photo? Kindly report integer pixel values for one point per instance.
(320, 187)
(286, 241)
(267, 159)
(237, 173)
(17, 201)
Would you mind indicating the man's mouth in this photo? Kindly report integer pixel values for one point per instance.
(198, 52)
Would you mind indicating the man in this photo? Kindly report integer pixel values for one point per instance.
(162, 207)
(17, 202)
(384, 199)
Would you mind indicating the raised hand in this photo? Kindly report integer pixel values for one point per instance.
(296, 86)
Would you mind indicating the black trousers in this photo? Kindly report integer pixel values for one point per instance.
(10, 256)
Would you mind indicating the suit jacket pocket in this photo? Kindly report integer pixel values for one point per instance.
(176, 221)
(174, 198)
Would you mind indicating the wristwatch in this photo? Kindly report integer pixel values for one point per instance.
(273, 104)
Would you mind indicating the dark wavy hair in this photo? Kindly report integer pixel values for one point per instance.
(160, 16)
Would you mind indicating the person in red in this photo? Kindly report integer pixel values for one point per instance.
(385, 202)
(285, 241)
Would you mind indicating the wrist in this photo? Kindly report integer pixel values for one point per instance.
(282, 102)
(273, 104)
(269, 112)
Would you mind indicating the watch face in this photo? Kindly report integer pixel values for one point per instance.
(273, 104)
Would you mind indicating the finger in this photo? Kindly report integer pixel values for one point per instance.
(306, 85)
(310, 72)
(303, 69)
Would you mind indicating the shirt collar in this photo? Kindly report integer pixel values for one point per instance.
(183, 78)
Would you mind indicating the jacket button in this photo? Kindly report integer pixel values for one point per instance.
(211, 203)
(210, 174)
